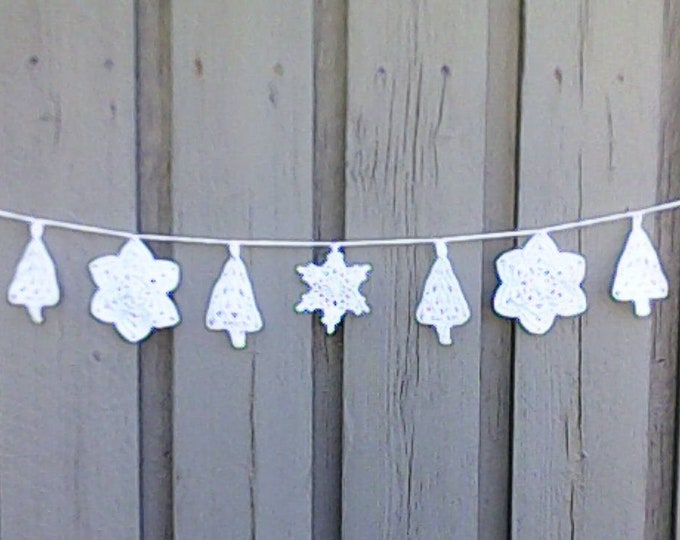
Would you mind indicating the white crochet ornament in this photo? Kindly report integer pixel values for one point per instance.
(538, 283)
(35, 284)
(333, 289)
(639, 275)
(443, 304)
(232, 304)
(133, 291)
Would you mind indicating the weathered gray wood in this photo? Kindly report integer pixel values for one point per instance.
(242, 167)
(154, 113)
(68, 389)
(415, 162)
(662, 446)
(589, 145)
(330, 108)
(499, 214)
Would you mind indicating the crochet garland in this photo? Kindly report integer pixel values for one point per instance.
(537, 281)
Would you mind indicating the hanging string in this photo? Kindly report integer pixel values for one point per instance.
(406, 241)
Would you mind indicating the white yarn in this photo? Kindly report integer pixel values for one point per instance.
(133, 291)
(6, 214)
(538, 282)
(35, 284)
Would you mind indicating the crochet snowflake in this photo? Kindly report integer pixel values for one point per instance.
(133, 289)
(333, 289)
(538, 283)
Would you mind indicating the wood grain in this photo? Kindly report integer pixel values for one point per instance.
(325, 119)
(661, 510)
(68, 391)
(154, 125)
(589, 145)
(330, 108)
(242, 167)
(417, 91)
(499, 214)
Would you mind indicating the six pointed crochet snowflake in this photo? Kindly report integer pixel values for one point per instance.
(333, 289)
(538, 283)
(133, 289)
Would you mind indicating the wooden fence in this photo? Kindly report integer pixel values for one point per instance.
(330, 119)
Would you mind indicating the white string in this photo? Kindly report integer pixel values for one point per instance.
(118, 233)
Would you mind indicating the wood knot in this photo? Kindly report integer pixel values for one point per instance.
(273, 94)
(558, 75)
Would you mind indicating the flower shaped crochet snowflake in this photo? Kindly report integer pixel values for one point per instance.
(334, 289)
(538, 283)
(133, 289)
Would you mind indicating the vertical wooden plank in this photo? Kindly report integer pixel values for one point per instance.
(68, 389)
(590, 137)
(662, 499)
(416, 148)
(499, 214)
(242, 167)
(330, 109)
(154, 114)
